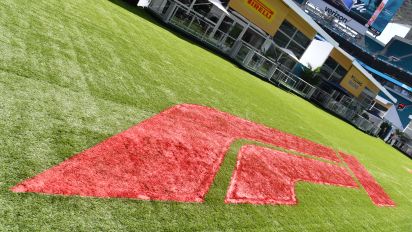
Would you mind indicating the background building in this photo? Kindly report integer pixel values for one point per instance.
(269, 38)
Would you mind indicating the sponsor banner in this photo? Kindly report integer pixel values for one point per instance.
(339, 15)
(360, 10)
(377, 13)
(385, 16)
(260, 12)
(353, 84)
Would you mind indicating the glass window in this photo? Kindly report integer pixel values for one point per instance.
(253, 38)
(225, 2)
(325, 72)
(365, 100)
(287, 28)
(380, 107)
(296, 49)
(281, 39)
(226, 24)
(332, 71)
(341, 71)
(331, 63)
(166, 7)
(236, 30)
(335, 77)
(258, 42)
(288, 62)
(202, 7)
(186, 2)
(271, 52)
(327, 68)
(301, 39)
(291, 38)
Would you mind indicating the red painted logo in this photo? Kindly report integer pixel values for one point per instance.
(261, 8)
(176, 154)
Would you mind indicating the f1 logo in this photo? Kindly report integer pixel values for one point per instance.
(176, 154)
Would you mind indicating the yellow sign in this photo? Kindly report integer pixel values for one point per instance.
(260, 7)
(355, 82)
(259, 12)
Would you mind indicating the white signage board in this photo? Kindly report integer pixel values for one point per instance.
(339, 15)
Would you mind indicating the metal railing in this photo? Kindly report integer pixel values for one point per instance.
(365, 125)
(345, 109)
(253, 60)
(273, 71)
(285, 78)
(327, 101)
(201, 28)
(377, 112)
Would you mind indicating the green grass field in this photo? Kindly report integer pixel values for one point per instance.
(73, 73)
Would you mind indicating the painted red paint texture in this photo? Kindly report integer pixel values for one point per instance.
(171, 156)
(374, 190)
(266, 176)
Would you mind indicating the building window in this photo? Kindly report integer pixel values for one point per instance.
(186, 2)
(253, 38)
(332, 71)
(202, 7)
(366, 98)
(291, 38)
(276, 54)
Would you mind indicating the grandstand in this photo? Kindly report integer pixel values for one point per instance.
(390, 64)
(404, 15)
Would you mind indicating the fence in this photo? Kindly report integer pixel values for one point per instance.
(252, 59)
(201, 28)
(347, 109)
(284, 78)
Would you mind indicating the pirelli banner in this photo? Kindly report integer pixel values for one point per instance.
(260, 12)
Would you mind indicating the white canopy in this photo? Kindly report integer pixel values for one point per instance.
(143, 3)
(289, 52)
(382, 100)
(219, 5)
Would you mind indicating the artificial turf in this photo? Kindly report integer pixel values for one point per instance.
(73, 73)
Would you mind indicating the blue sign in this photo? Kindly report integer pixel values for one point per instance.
(386, 15)
(380, 11)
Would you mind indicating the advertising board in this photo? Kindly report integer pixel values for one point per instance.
(374, 14)
(260, 12)
(342, 16)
